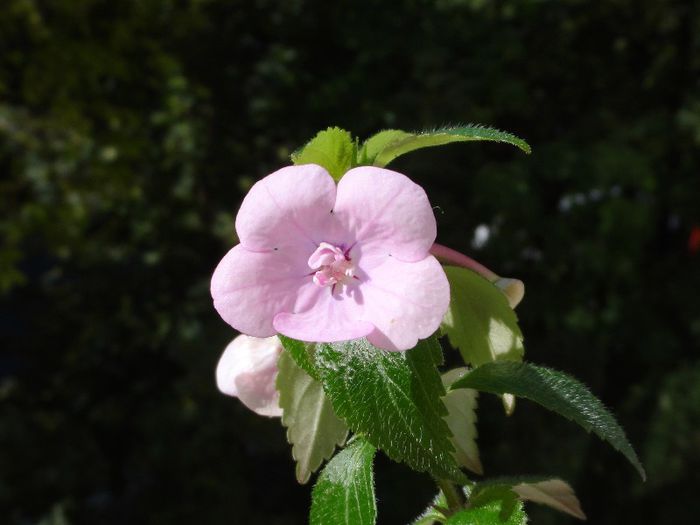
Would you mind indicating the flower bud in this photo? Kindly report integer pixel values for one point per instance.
(248, 370)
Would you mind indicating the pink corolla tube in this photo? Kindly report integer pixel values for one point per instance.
(248, 370)
(513, 289)
(323, 263)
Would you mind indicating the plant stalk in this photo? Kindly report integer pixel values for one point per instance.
(453, 495)
(443, 253)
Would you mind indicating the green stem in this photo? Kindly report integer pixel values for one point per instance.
(453, 494)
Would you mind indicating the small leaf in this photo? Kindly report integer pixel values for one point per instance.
(479, 321)
(389, 144)
(492, 513)
(376, 143)
(486, 493)
(553, 492)
(333, 149)
(393, 398)
(302, 353)
(461, 418)
(344, 492)
(555, 391)
(313, 429)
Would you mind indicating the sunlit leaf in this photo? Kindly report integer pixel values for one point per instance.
(333, 149)
(479, 321)
(313, 429)
(376, 143)
(392, 398)
(387, 145)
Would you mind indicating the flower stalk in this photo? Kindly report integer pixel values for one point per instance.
(514, 289)
(453, 495)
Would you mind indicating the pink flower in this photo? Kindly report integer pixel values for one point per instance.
(248, 370)
(323, 263)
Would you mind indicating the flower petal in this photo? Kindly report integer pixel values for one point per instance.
(326, 318)
(249, 288)
(290, 206)
(248, 369)
(385, 211)
(405, 301)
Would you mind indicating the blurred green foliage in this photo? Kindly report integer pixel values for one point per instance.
(129, 132)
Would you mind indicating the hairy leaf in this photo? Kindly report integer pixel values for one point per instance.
(385, 146)
(433, 513)
(333, 149)
(487, 493)
(479, 321)
(557, 392)
(302, 353)
(313, 429)
(491, 513)
(553, 492)
(461, 418)
(344, 492)
(376, 143)
(393, 398)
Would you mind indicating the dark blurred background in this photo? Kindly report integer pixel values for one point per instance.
(130, 131)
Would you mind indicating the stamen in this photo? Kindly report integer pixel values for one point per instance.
(331, 266)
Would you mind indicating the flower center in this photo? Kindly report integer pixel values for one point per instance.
(331, 266)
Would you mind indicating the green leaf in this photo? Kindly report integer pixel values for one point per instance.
(553, 492)
(461, 419)
(376, 143)
(492, 513)
(302, 353)
(484, 494)
(344, 492)
(432, 514)
(555, 391)
(333, 149)
(313, 429)
(393, 398)
(385, 146)
(479, 321)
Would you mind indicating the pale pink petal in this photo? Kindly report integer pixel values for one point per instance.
(324, 317)
(324, 254)
(405, 301)
(248, 370)
(250, 288)
(386, 212)
(295, 236)
(291, 206)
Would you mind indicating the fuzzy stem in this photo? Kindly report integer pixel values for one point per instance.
(449, 255)
(453, 495)
(514, 289)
